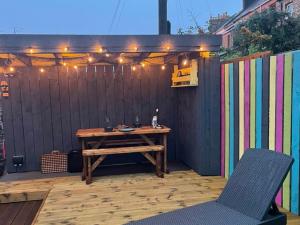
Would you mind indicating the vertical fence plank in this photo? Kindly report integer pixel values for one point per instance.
(279, 116)
(92, 102)
(265, 102)
(287, 124)
(55, 109)
(226, 120)
(37, 116)
(258, 127)
(236, 112)
(17, 118)
(65, 108)
(25, 88)
(101, 80)
(8, 129)
(241, 107)
(252, 102)
(231, 119)
(295, 133)
(222, 120)
(247, 105)
(272, 105)
(74, 104)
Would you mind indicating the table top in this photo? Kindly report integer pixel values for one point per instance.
(99, 132)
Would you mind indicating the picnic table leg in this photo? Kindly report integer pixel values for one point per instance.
(159, 172)
(84, 168)
(165, 153)
(89, 173)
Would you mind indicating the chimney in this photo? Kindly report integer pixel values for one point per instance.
(163, 23)
(247, 3)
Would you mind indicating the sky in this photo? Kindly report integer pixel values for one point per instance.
(105, 16)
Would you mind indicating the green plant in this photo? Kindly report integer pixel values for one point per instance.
(267, 31)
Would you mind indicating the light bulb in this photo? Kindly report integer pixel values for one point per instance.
(201, 48)
(75, 67)
(66, 49)
(42, 70)
(143, 64)
(11, 69)
(100, 50)
(64, 64)
(163, 67)
(185, 62)
(133, 68)
(107, 55)
(121, 60)
(90, 59)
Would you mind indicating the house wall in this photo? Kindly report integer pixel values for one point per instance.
(260, 101)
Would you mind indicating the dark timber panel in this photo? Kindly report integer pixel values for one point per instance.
(45, 110)
(199, 120)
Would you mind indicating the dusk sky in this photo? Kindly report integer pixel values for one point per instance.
(105, 17)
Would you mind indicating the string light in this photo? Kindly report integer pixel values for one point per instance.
(121, 60)
(185, 62)
(64, 64)
(90, 59)
(101, 50)
(107, 55)
(30, 50)
(201, 48)
(75, 67)
(11, 69)
(42, 70)
(66, 49)
(168, 48)
(143, 65)
(133, 68)
(163, 67)
(135, 48)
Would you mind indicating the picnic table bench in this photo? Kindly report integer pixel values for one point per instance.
(97, 145)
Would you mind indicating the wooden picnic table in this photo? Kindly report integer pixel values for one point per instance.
(97, 138)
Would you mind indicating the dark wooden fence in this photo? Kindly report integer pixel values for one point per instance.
(44, 110)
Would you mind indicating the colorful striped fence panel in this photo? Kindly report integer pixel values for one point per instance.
(263, 119)
(295, 133)
(241, 107)
(258, 124)
(287, 124)
(247, 106)
(226, 83)
(231, 119)
(272, 105)
(252, 102)
(222, 120)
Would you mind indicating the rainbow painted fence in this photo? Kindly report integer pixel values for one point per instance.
(260, 108)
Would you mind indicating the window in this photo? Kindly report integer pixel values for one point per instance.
(289, 8)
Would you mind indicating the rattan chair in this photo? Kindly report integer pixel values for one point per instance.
(248, 198)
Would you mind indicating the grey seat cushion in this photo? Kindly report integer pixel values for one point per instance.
(210, 213)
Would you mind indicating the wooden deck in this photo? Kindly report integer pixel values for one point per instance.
(19, 213)
(115, 200)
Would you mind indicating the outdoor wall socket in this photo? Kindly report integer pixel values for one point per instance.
(18, 160)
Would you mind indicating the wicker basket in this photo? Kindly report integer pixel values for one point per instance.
(54, 162)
